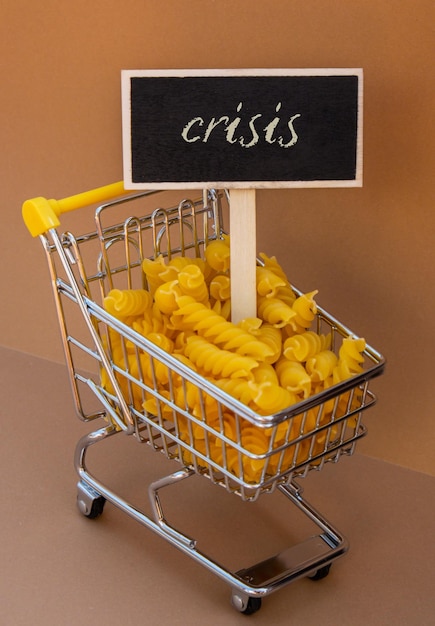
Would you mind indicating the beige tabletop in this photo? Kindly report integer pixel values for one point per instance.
(59, 568)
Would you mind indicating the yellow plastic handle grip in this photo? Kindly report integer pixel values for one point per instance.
(40, 214)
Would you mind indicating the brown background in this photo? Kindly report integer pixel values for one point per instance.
(369, 251)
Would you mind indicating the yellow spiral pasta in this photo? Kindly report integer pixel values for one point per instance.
(305, 345)
(274, 311)
(216, 361)
(220, 288)
(257, 443)
(248, 467)
(166, 296)
(263, 394)
(217, 255)
(250, 325)
(305, 310)
(144, 325)
(152, 371)
(222, 424)
(223, 308)
(191, 282)
(349, 363)
(267, 282)
(119, 359)
(178, 263)
(272, 337)
(294, 377)
(272, 264)
(267, 333)
(321, 365)
(126, 361)
(163, 322)
(199, 404)
(350, 352)
(153, 269)
(171, 269)
(283, 292)
(238, 388)
(294, 453)
(154, 406)
(161, 340)
(286, 295)
(265, 372)
(268, 363)
(127, 302)
(269, 398)
(180, 340)
(229, 426)
(209, 324)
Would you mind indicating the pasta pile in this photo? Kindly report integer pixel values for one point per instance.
(268, 363)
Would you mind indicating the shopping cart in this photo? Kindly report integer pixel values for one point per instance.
(131, 399)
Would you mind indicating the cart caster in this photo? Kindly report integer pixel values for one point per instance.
(89, 502)
(245, 604)
(321, 573)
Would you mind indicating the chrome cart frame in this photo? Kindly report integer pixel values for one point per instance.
(83, 270)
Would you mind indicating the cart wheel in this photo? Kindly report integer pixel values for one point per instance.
(245, 604)
(89, 502)
(321, 573)
(97, 507)
(254, 605)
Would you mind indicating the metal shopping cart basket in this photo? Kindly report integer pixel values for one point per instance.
(144, 391)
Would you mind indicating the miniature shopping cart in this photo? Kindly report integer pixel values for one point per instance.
(131, 399)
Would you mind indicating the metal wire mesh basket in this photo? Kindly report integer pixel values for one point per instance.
(146, 391)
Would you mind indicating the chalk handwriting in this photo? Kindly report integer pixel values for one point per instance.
(197, 129)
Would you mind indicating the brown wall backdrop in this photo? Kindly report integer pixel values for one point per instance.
(369, 251)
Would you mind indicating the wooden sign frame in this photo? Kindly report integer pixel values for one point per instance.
(242, 128)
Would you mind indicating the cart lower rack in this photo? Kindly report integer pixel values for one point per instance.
(124, 377)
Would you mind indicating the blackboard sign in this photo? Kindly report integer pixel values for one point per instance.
(242, 128)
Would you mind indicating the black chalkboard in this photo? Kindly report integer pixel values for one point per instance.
(245, 128)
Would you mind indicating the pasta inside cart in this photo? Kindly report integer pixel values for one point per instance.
(142, 302)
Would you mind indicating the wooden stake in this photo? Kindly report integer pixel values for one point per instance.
(243, 246)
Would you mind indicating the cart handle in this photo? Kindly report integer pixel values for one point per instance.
(40, 214)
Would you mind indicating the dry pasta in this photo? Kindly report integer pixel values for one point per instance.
(272, 264)
(350, 353)
(267, 282)
(128, 302)
(217, 255)
(268, 363)
(269, 398)
(212, 326)
(191, 281)
(321, 365)
(305, 310)
(223, 308)
(274, 311)
(239, 388)
(294, 377)
(220, 287)
(153, 269)
(166, 296)
(216, 361)
(305, 345)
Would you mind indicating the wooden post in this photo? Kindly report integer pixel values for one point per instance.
(243, 246)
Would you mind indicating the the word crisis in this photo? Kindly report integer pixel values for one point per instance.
(197, 129)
